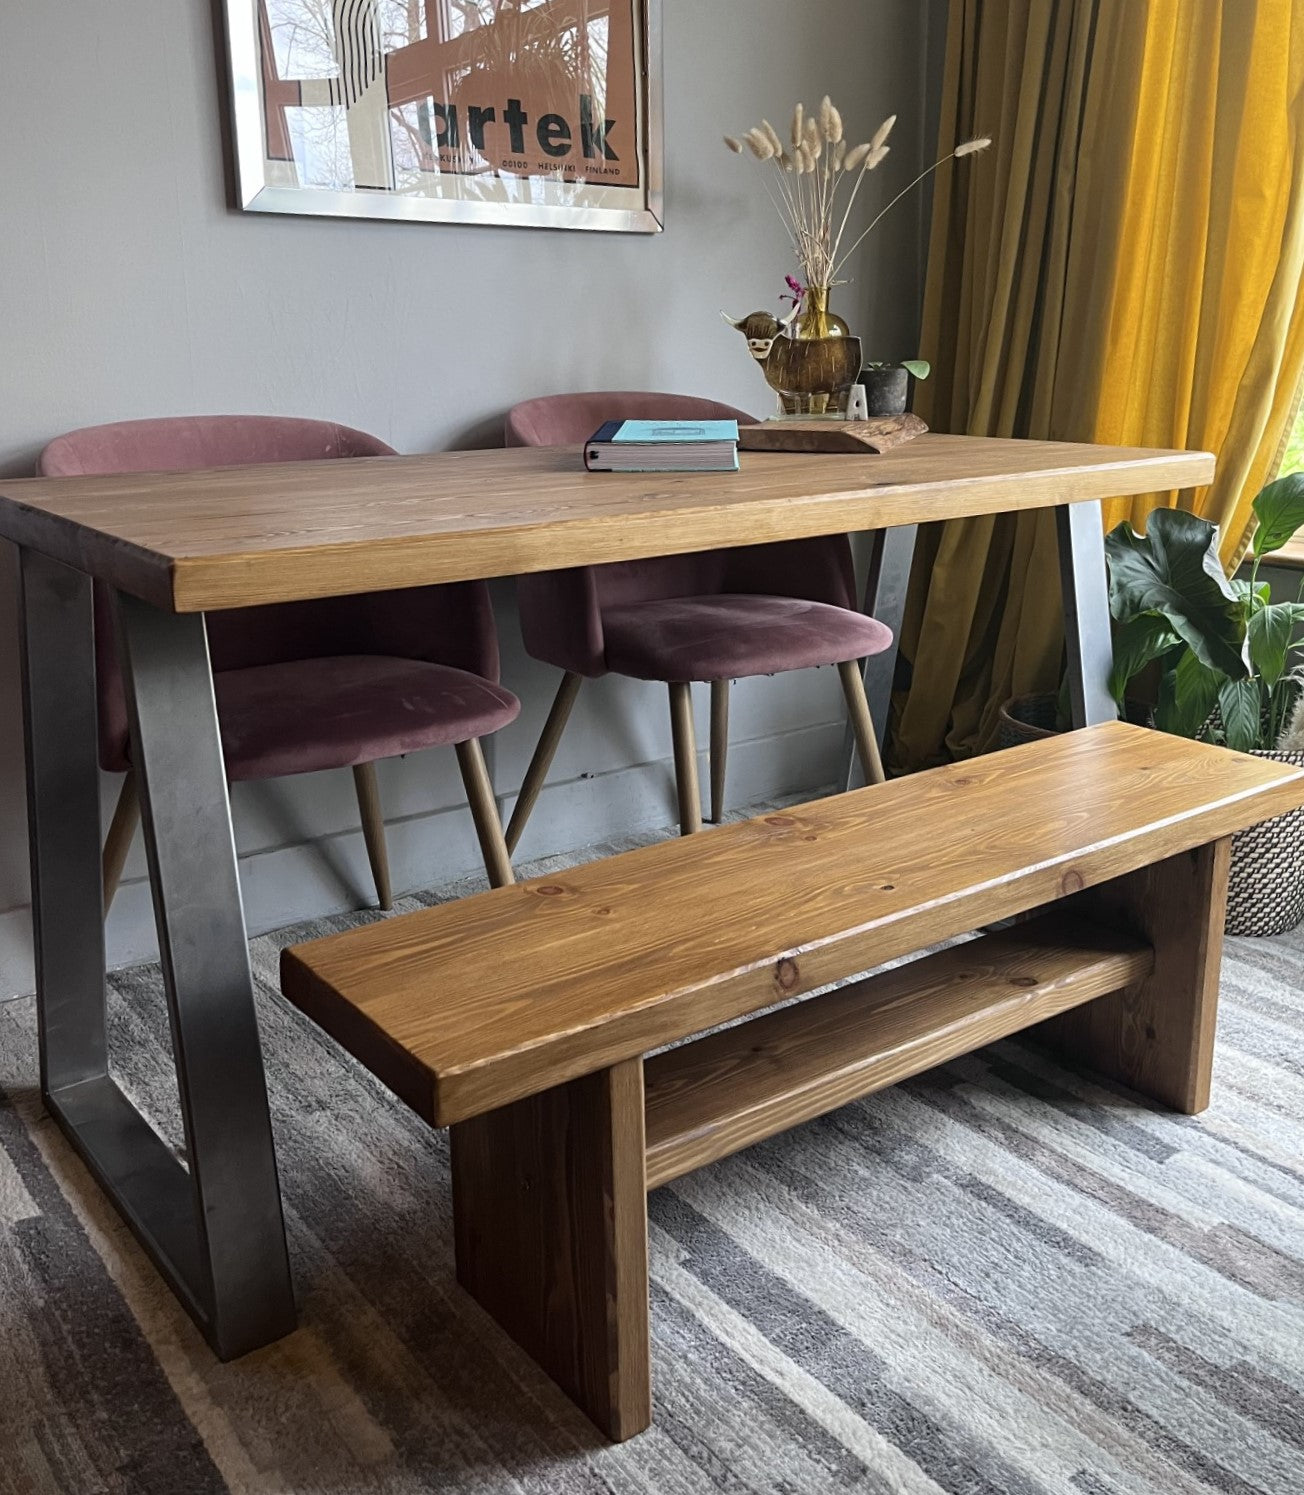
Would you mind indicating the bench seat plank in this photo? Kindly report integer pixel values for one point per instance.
(474, 1004)
(711, 1097)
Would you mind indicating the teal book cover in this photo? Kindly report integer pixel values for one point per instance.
(663, 446)
(648, 432)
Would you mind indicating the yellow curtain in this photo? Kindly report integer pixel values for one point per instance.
(1124, 267)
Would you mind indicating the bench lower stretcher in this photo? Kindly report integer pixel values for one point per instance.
(521, 1017)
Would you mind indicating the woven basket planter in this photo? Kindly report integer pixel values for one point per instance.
(1026, 718)
(1265, 893)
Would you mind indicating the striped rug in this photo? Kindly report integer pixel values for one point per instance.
(1002, 1278)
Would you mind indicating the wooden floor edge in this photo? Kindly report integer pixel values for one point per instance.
(732, 1088)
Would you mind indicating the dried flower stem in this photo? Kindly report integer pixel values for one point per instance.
(810, 174)
(968, 148)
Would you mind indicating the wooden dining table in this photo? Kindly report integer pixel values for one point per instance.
(174, 546)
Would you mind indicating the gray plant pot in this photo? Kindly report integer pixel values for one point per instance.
(1265, 891)
(886, 390)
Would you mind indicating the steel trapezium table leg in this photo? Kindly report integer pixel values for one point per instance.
(892, 552)
(63, 808)
(215, 1230)
(1080, 531)
(186, 817)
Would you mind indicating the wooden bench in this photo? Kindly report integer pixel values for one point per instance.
(521, 1017)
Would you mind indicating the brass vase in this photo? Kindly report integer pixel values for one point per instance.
(816, 320)
(823, 364)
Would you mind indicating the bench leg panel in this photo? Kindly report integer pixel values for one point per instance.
(1158, 1035)
(550, 1217)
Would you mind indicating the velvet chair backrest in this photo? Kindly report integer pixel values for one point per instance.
(561, 610)
(450, 625)
(189, 443)
(567, 420)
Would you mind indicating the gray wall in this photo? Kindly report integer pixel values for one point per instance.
(130, 289)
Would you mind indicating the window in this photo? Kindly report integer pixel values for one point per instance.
(1292, 553)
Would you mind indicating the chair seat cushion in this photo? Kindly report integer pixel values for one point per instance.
(729, 636)
(312, 714)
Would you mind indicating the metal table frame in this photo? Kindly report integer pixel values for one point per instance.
(1079, 530)
(214, 1228)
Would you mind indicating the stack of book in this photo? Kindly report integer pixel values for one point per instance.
(663, 446)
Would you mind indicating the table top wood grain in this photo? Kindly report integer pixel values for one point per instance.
(240, 536)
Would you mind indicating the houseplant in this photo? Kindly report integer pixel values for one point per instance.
(1207, 657)
(887, 385)
(813, 180)
(1219, 660)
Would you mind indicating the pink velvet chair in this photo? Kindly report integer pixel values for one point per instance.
(714, 616)
(303, 686)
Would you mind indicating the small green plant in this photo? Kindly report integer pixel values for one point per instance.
(1215, 658)
(919, 367)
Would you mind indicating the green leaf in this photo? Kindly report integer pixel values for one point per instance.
(1174, 569)
(1279, 509)
(1137, 643)
(1186, 697)
(919, 367)
(1295, 609)
(1270, 634)
(1241, 709)
(1260, 592)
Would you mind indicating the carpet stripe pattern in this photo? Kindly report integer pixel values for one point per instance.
(1000, 1278)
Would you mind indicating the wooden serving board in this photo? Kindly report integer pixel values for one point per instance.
(877, 435)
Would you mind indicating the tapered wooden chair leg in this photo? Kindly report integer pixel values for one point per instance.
(373, 830)
(853, 687)
(122, 831)
(544, 753)
(719, 746)
(488, 827)
(685, 741)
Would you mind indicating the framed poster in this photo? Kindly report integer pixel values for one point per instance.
(542, 113)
